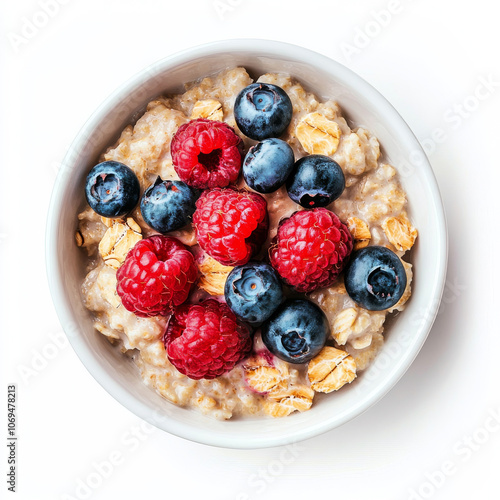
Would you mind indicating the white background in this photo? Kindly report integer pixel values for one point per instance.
(429, 60)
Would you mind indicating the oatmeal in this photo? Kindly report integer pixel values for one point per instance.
(373, 207)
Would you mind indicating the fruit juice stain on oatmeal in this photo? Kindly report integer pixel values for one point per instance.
(373, 205)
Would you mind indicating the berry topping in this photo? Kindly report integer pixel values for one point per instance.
(316, 181)
(206, 340)
(112, 189)
(375, 278)
(168, 205)
(267, 165)
(157, 274)
(253, 291)
(296, 332)
(231, 224)
(206, 153)
(263, 110)
(311, 249)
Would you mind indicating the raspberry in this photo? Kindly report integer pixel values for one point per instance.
(206, 340)
(231, 224)
(311, 249)
(157, 274)
(207, 153)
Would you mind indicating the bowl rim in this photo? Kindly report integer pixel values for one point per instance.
(54, 270)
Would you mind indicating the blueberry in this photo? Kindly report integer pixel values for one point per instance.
(112, 189)
(262, 110)
(296, 332)
(267, 165)
(253, 291)
(168, 205)
(375, 278)
(315, 181)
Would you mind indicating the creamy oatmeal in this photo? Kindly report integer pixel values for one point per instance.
(373, 206)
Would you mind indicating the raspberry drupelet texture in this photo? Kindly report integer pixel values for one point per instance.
(311, 249)
(231, 224)
(207, 153)
(156, 276)
(206, 340)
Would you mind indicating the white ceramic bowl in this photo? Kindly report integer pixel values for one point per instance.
(362, 106)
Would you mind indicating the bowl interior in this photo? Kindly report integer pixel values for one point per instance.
(362, 106)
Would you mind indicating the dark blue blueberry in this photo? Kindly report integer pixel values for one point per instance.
(315, 181)
(253, 291)
(375, 278)
(267, 165)
(112, 189)
(263, 110)
(168, 205)
(296, 332)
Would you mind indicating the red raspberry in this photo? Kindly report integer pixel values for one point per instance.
(311, 249)
(231, 224)
(157, 274)
(206, 340)
(207, 153)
